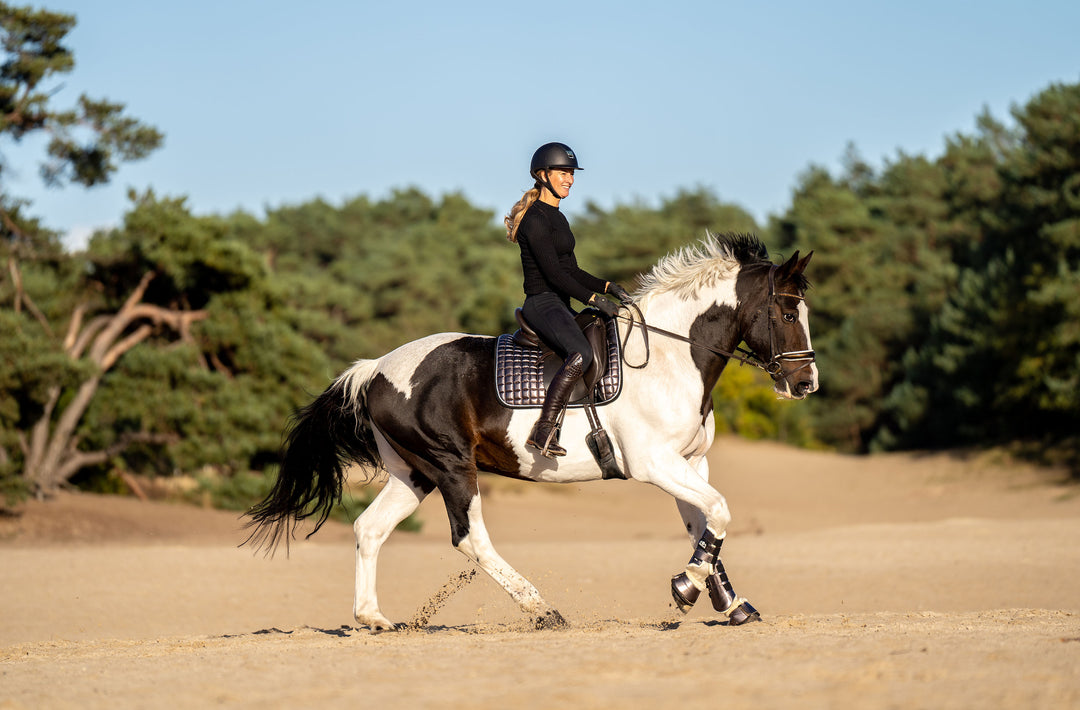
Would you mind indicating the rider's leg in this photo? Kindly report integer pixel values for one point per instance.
(545, 433)
(552, 320)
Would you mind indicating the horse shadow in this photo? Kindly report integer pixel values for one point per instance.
(344, 631)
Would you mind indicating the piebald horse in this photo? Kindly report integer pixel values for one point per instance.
(429, 415)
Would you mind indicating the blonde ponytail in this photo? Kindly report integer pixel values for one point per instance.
(513, 219)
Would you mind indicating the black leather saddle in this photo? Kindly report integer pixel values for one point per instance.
(524, 366)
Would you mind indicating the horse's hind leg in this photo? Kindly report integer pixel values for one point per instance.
(470, 537)
(397, 500)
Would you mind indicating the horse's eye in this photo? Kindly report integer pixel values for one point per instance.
(791, 317)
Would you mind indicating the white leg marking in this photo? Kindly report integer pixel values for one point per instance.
(394, 503)
(694, 519)
(674, 475)
(699, 503)
(477, 547)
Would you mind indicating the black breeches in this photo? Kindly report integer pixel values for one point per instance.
(552, 320)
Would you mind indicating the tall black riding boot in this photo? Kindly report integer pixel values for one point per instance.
(545, 433)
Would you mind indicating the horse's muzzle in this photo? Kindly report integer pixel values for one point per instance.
(803, 388)
(799, 381)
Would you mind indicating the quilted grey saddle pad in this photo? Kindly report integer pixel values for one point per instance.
(522, 373)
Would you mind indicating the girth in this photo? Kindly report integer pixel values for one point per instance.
(524, 365)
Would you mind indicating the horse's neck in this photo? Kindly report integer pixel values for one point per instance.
(677, 312)
(670, 312)
(674, 313)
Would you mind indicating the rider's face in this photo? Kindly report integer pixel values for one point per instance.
(561, 180)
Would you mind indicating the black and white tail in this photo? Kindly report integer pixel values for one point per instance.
(323, 439)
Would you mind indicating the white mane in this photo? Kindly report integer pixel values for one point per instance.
(691, 268)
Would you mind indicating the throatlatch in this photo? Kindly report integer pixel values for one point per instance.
(706, 571)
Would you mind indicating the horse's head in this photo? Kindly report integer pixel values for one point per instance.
(726, 290)
(776, 325)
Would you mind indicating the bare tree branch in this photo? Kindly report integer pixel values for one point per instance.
(92, 328)
(133, 484)
(11, 226)
(141, 333)
(80, 459)
(39, 435)
(44, 474)
(180, 321)
(120, 321)
(74, 325)
(220, 366)
(21, 296)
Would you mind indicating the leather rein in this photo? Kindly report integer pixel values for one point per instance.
(774, 366)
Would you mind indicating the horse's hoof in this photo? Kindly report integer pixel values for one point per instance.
(551, 620)
(743, 614)
(684, 592)
(375, 629)
(377, 623)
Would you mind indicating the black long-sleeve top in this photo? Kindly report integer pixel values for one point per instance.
(547, 256)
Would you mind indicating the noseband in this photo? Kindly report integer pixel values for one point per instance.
(774, 366)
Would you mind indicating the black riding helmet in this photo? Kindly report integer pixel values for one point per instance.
(552, 155)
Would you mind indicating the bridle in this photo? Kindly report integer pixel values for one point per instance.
(774, 366)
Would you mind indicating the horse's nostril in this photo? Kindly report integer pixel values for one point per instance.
(804, 387)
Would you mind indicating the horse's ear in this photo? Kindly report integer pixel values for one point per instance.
(790, 266)
(801, 266)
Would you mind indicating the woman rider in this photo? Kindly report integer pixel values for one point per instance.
(552, 278)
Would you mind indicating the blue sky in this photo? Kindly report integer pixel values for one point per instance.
(270, 103)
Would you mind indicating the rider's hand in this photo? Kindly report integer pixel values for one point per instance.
(603, 305)
(619, 292)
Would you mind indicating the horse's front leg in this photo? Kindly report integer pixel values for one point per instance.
(687, 585)
(705, 514)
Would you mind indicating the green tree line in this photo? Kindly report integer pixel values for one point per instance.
(944, 307)
(947, 303)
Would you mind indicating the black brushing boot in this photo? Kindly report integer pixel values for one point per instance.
(724, 600)
(545, 433)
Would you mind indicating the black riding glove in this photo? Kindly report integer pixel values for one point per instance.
(603, 305)
(619, 292)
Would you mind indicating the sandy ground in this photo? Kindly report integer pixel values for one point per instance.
(896, 581)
